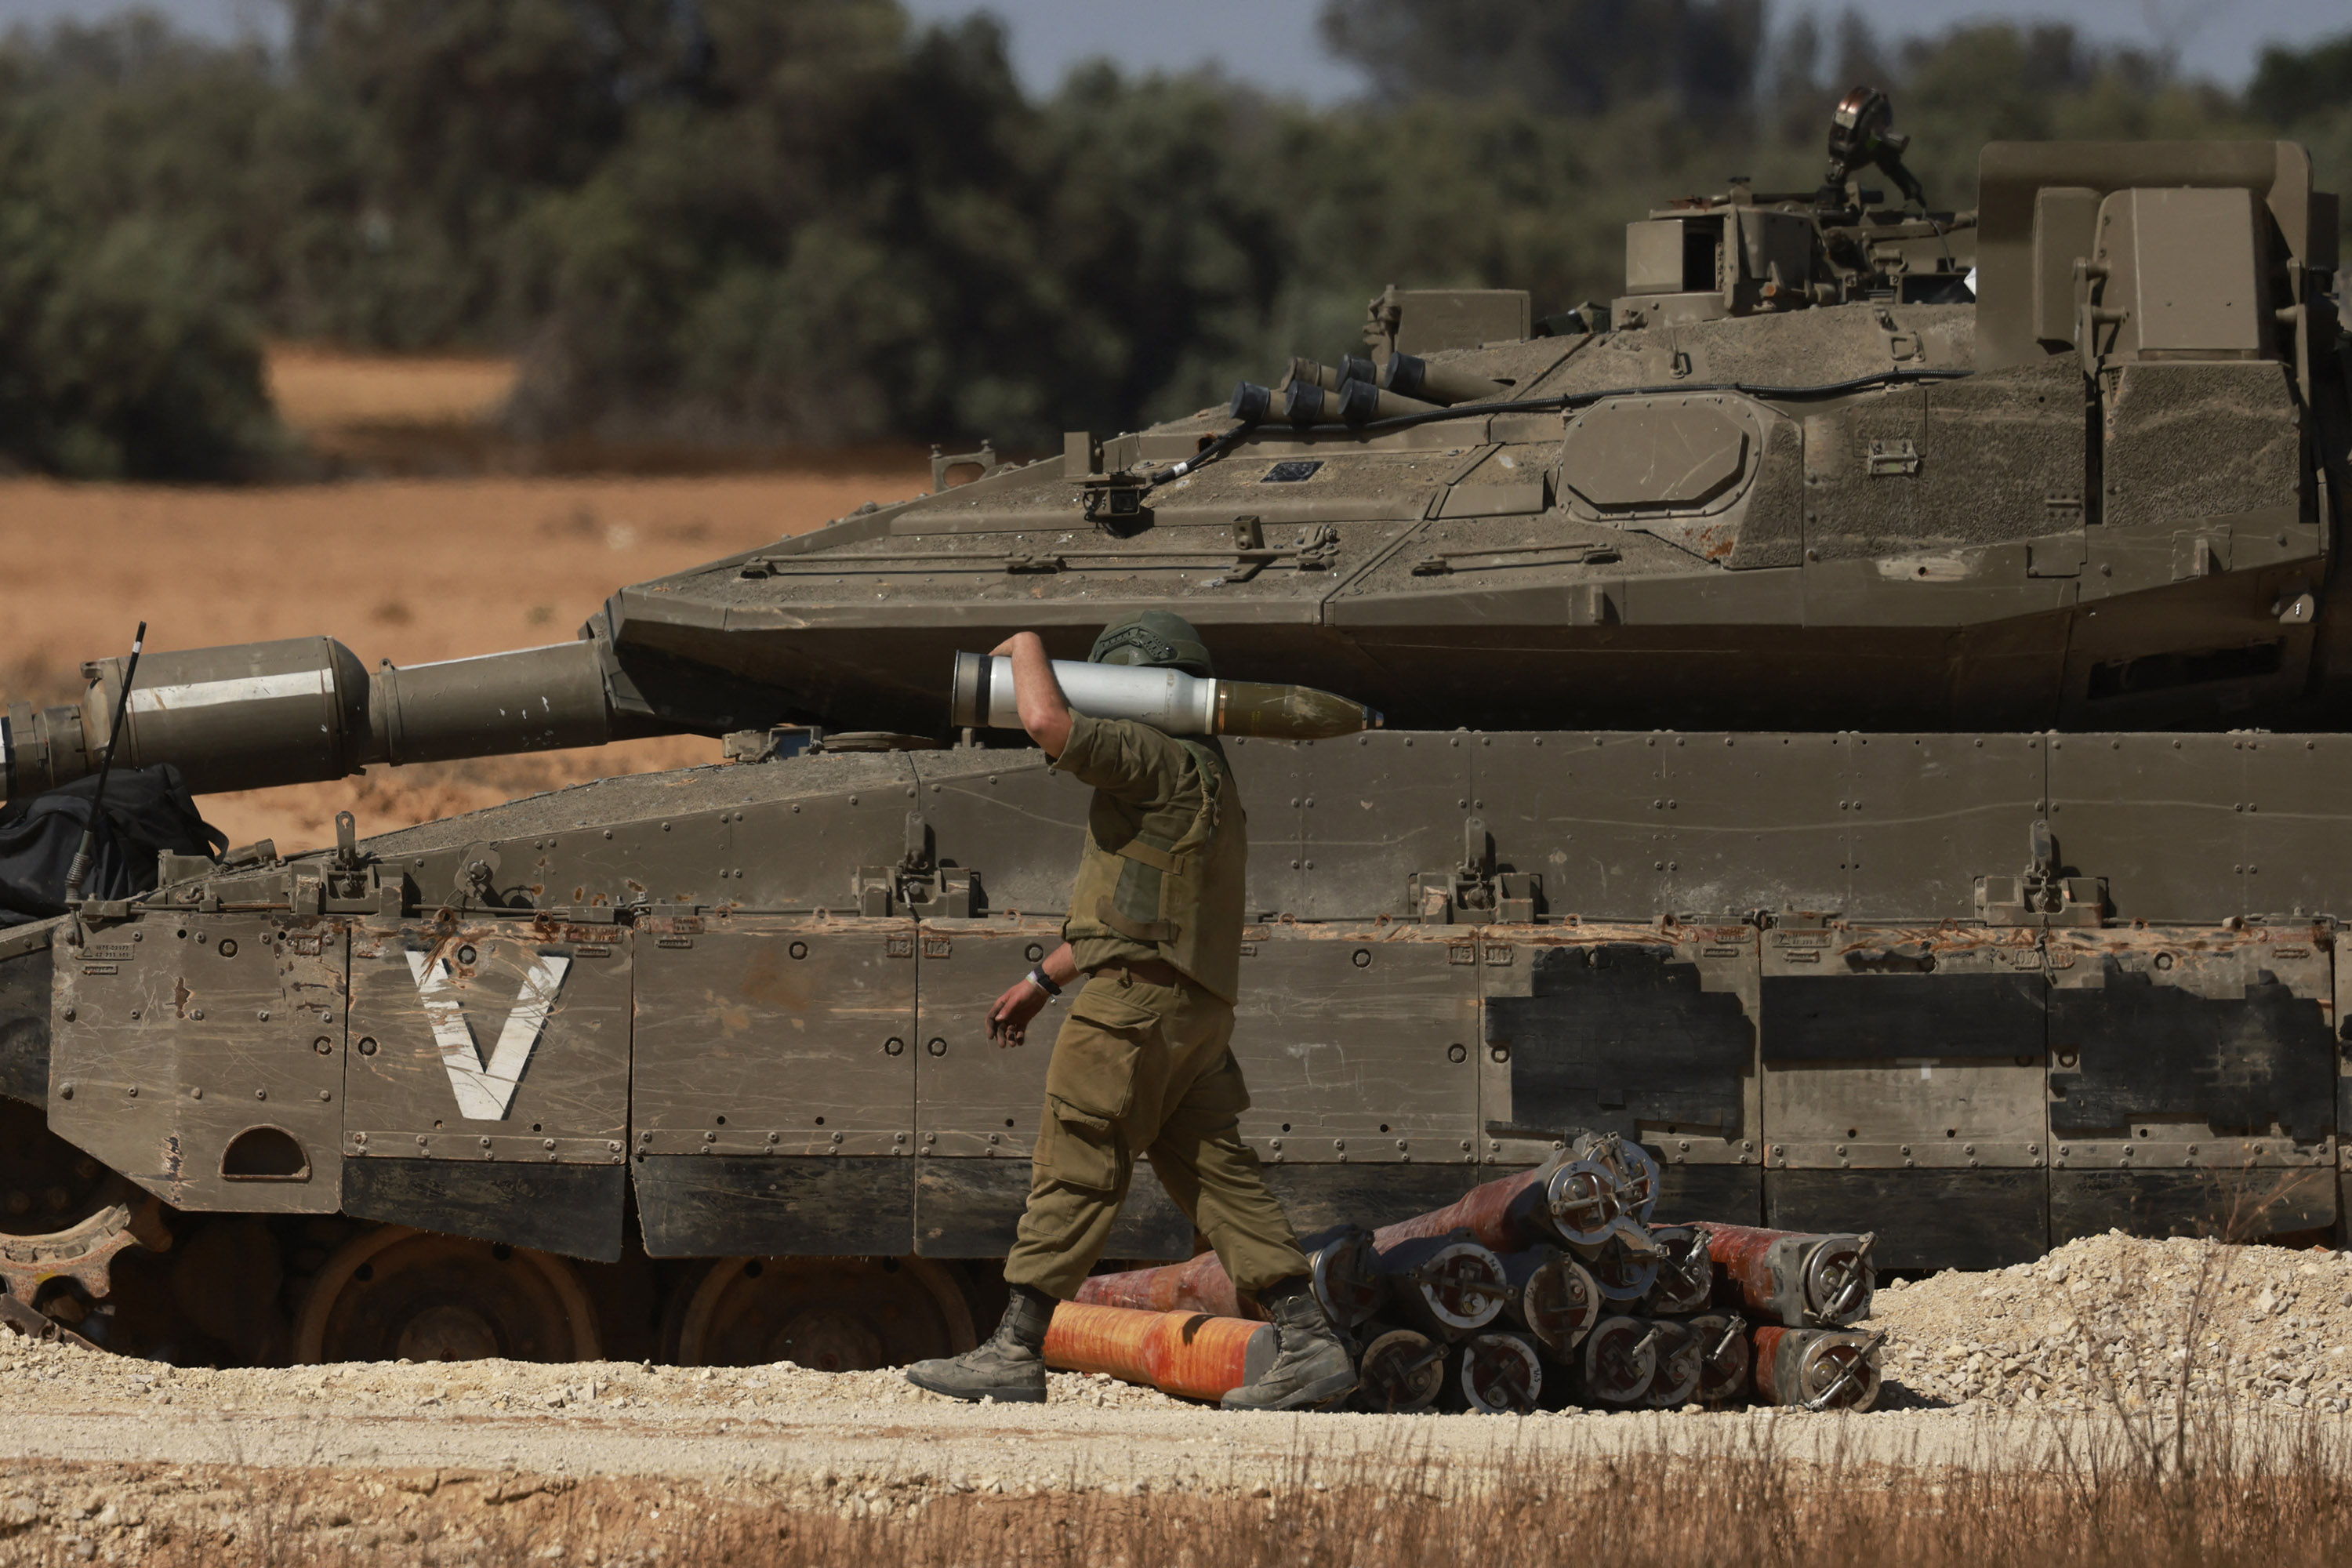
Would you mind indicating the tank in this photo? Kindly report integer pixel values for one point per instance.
(1862, 711)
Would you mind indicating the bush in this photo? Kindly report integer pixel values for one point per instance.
(124, 355)
(128, 348)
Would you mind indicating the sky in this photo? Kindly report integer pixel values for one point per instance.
(1272, 43)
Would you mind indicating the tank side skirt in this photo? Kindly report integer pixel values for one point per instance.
(2012, 1077)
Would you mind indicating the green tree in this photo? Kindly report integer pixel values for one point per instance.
(759, 221)
(2291, 86)
(126, 350)
(839, 238)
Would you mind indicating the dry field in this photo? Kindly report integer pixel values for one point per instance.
(319, 392)
(1744, 1501)
(409, 570)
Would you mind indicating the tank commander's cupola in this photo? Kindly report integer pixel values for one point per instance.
(1746, 253)
(1711, 258)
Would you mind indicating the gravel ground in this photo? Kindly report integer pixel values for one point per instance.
(1968, 1355)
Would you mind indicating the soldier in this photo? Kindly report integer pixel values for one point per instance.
(1143, 1063)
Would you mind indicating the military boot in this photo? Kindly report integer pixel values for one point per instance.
(1311, 1368)
(1009, 1366)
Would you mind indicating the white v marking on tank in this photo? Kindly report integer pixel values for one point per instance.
(484, 1092)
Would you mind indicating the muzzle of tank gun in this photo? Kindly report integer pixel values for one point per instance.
(1499, 1372)
(1552, 1297)
(1168, 700)
(1446, 1287)
(1795, 1279)
(304, 710)
(1410, 375)
(1820, 1369)
(1400, 1371)
(1682, 1367)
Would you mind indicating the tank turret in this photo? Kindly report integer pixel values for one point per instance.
(1801, 476)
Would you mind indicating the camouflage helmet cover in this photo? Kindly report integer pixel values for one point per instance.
(1156, 639)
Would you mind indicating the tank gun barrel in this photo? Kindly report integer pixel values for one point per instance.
(304, 710)
(1166, 700)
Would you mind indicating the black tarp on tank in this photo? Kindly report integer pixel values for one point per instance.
(148, 810)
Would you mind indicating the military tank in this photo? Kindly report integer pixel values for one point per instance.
(1862, 709)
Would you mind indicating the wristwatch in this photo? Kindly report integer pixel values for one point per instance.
(1037, 977)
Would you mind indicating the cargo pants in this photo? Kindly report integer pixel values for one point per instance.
(1146, 1068)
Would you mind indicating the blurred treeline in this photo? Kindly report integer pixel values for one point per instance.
(805, 222)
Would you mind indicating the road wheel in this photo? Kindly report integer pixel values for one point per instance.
(682, 1289)
(831, 1314)
(394, 1293)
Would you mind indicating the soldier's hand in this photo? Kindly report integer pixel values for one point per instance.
(1008, 1021)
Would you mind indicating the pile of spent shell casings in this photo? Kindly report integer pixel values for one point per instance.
(1550, 1287)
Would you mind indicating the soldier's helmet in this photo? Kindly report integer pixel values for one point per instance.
(1157, 639)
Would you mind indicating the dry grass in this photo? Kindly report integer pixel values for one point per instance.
(2281, 1501)
(445, 415)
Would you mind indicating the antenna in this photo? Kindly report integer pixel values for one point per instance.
(78, 872)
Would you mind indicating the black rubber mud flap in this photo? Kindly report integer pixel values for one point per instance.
(1924, 1219)
(2237, 1205)
(147, 809)
(772, 1205)
(1690, 1194)
(971, 1208)
(574, 1210)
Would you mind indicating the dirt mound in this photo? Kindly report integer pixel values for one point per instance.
(2115, 1319)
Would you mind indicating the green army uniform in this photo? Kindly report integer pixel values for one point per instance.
(1145, 1063)
(1142, 1067)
